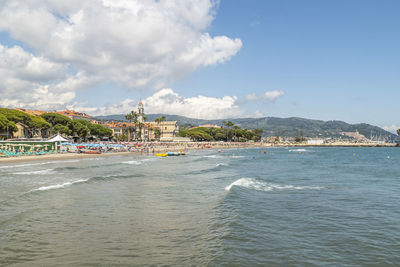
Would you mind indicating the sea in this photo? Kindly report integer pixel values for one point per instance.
(236, 207)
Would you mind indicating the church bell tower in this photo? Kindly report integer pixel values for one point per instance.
(140, 112)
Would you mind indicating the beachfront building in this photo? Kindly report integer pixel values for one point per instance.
(120, 129)
(168, 129)
(31, 111)
(26, 132)
(130, 130)
(75, 115)
(22, 131)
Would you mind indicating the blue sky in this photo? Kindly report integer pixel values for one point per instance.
(330, 60)
(333, 59)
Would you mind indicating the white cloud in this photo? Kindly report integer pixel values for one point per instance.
(258, 114)
(200, 107)
(136, 44)
(168, 102)
(392, 128)
(122, 108)
(270, 96)
(24, 78)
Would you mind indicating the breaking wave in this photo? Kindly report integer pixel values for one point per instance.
(57, 186)
(132, 162)
(46, 171)
(236, 157)
(299, 150)
(213, 156)
(221, 165)
(255, 184)
(95, 178)
(36, 164)
(138, 162)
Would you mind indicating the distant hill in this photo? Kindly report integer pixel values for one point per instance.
(273, 126)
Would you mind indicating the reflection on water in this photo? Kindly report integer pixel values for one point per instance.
(320, 206)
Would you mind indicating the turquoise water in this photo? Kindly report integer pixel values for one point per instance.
(290, 206)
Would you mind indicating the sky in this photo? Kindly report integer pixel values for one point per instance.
(326, 60)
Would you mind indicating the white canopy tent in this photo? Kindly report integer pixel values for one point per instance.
(57, 139)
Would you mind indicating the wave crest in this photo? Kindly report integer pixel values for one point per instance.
(222, 165)
(57, 186)
(299, 150)
(46, 171)
(132, 162)
(253, 183)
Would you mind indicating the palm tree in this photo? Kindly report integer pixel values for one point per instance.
(140, 124)
(132, 117)
(149, 129)
(229, 124)
(159, 121)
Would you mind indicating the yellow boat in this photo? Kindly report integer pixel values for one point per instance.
(162, 154)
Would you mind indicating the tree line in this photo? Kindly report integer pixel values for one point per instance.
(79, 128)
(50, 124)
(230, 132)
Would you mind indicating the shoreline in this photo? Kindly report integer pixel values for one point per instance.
(177, 147)
(173, 147)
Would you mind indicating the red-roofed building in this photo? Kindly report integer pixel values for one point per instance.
(75, 115)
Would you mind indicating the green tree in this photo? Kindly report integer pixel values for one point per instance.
(199, 134)
(132, 117)
(229, 124)
(79, 129)
(258, 131)
(35, 124)
(122, 137)
(159, 122)
(6, 126)
(157, 133)
(140, 126)
(220, 134)
(182, 132)
(62, 129)
(96, 129)
(55, 118)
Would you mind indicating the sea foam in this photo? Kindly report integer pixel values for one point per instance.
(213, 156)
(236, 157)
(46, 171)
(57, 186)
(37, 164)
(132, 162)
(221, 165)
(253, 183)
(299, 150)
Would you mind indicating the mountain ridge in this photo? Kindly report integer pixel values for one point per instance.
(274, 126)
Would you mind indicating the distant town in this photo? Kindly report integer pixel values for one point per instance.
(25, 124)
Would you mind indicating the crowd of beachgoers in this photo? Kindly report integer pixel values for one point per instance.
(149, 147)
(123, 147)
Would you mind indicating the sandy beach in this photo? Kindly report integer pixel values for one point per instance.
(156, 149)
(166, 147)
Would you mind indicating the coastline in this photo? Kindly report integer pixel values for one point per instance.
(162, 148)
(181, 146)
